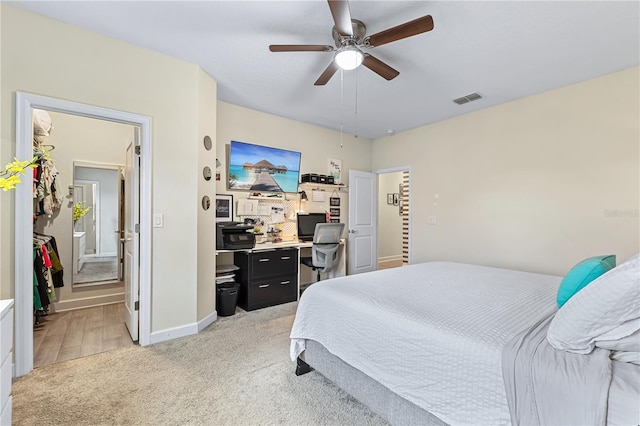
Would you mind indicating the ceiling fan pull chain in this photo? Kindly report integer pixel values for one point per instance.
(341, 105)
(357, 73)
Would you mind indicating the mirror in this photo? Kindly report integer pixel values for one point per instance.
(206, 172)
(206, 202)
(208, 144)
(97, 223)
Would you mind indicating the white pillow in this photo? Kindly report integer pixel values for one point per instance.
(626, 349)
(608, 308)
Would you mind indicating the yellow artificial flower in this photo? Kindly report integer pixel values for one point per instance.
(79, 210)
(13, 170)
(9, 182)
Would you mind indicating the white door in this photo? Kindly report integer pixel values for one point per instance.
(362, 243)
(131, 240)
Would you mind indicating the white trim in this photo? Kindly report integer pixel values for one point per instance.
(393, 258)
(98, 165)
(173, 333)
(185, 330)
(88, 302)
(207, 321)
(25, 102)
(402, 169)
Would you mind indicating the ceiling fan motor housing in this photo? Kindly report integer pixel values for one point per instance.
(359, 31)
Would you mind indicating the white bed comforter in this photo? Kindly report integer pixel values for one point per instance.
(433, 333)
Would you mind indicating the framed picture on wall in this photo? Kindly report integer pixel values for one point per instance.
(334, 211)
(224, 208)
(335, 170)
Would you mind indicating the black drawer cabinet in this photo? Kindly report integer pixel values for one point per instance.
(267, 278)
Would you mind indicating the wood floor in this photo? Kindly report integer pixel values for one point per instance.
(390, 264)
(81, 332)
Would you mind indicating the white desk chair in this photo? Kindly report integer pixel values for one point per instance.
(324, 251)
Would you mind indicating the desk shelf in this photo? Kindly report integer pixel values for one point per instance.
(337, 187)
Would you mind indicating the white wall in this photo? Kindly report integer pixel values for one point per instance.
(389, 219)
(535, 184)
(108, 203)
(85, 67)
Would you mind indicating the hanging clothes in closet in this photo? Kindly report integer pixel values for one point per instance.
(47, 267)
(43, 290)
(47, 199)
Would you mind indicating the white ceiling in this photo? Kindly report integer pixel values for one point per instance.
(502, 50)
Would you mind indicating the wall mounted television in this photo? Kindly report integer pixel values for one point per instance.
(258, 168)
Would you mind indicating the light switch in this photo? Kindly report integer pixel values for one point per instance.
(431, 220)
(158, 220)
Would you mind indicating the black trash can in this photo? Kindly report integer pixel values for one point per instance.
(227, 298)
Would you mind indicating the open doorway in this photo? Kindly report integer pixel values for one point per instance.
(83, 313)
(393, 218)
(138, 236)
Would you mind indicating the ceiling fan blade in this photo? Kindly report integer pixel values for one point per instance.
(327, 74)
(300, 48)
(379, 67)
(341, 16)
(408, 29)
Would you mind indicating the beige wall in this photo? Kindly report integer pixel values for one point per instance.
(80, 139)
(317, 145)
(389, 219)
(89, 68)
(536, 184)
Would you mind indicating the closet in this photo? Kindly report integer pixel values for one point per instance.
(47, 266)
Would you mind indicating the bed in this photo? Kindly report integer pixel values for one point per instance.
(442, 343)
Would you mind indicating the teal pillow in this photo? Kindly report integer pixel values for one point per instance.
(582, 274)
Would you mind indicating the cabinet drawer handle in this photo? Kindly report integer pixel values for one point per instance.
(264, 286)
(285, 257)
(285, 282)
(263, 260)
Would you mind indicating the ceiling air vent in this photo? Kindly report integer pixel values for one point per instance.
(467, 98)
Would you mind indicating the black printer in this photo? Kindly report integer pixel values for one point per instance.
(233, 236)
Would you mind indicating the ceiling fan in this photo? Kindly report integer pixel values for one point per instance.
(350, 38)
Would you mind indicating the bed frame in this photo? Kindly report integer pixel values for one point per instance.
(382, 401)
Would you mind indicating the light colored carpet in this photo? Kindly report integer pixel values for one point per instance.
(235, 372)
(97, 269)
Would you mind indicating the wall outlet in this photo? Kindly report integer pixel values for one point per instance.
(431, 220)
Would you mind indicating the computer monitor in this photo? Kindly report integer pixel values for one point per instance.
(307, 225)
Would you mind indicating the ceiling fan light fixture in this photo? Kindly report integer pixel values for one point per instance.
(349, 58)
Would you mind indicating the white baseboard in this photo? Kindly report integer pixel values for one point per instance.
(87, 302)
(207, 321)
(173, 333)
(385, 259)
(185, 330)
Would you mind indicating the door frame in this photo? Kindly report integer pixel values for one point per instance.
(118, 168)
(23, 268)
(377, 206)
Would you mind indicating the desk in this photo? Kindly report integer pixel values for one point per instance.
(303, 248)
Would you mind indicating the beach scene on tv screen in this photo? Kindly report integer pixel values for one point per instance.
(262, 168)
